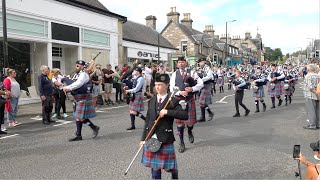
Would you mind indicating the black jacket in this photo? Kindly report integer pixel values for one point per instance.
(164, 128)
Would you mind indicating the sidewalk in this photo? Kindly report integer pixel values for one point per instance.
(34, 108)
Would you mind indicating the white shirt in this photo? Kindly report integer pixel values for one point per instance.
(82, 79)
(59, 78)
(195, 88)
(147, 72)
(162, 98)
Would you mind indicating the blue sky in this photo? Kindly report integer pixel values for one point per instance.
(284, 24)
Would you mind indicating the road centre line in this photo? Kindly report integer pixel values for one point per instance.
(13, 135)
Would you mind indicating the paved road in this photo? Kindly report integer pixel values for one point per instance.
(257, 146)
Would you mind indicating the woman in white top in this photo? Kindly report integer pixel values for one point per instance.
(59, 95)
(12, 106)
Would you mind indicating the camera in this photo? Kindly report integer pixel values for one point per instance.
(296, 151)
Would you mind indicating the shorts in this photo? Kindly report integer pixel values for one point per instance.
(108, 87)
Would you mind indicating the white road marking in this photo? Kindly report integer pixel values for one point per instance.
(38, 118)
(62, 122)
(113, 107)
(5, 137)
(222, 100)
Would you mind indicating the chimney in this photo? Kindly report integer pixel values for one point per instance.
(209, 30)
(187, 21)
(173, 15)
(247, 35)
(151, 21)
(216, 36)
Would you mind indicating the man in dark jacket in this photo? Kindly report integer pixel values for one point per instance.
(164, 158)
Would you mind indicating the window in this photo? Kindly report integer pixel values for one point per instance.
(184, 46)
(200, 48)
(65, 32)
(57, 51)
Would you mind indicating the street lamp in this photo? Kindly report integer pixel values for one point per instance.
(226, 53)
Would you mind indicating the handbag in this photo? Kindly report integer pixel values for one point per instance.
(3, 101)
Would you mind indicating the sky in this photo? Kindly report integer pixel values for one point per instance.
(286, 24)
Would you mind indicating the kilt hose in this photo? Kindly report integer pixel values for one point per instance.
(84, 107)
(277, 91)
(137, 104)
(205, 95)
(191, 107)
(165, 158)
(259, 93)
(288, 91)
(220, 81)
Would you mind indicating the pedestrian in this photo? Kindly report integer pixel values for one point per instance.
(84, 108)
(46, 93)
(239, 86)
(117, 84)
(259, 80)
(165, 157)
(59, 95)
(108, 83)
(206, 75)
(136, 104)
(188, 82)
(275, 87)
(311, 99)
(5, 94)
(11, 106)
(96, 79)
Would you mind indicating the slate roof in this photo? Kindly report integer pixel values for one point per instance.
(94, 6)
(143, 34)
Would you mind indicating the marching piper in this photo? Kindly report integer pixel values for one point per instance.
(220, 73)
(205, 96)
(164, 156)
(136, 104)
(229, 77)
(288, 85)
(275, 87)
(259, 80)
(84, 106)
(188, 82)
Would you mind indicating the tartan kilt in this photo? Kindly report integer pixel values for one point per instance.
(205, 95)
(191, 106)
(84, 107)
(277, 91)
(220, 81)
(259, 93)
(289, 91)
(165, 158)
(137, 104)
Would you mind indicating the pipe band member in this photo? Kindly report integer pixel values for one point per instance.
(205, 95)
(288, 85)
(220, 79)
(259, 80)
(136, 104)
(165, 157)
(84, 106)
(188, 82)
(275, 88)
(238, 86)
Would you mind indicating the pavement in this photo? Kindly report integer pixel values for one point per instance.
(258, 146)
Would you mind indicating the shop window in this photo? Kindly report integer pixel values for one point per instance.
(65, 33)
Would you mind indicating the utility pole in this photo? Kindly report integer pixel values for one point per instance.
(5, 40)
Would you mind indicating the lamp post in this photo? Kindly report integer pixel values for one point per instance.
(226, 53)
(5, 43)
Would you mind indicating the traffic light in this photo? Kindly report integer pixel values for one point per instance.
(317, 54)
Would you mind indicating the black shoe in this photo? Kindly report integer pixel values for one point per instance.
(310, 127)
(286, 104)
(182, 147)
(77, 138)
(272, 107)
(247, 112)
(131, 128)
(51, 121)
(264, 107)
(236, 115)
(110, 102)
(2, 132)
(121, 100)
(210, 116)
(201, 120)
(257, 110)
(46, 122)
(280, 102)
(96, 131)
(59, 117)
(191, 137)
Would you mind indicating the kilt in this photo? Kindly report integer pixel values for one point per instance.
(84, 106)
(259, 93)
(165, 158)
(205, 95)
(277, 91)
(289, 91)
(191, 107)
(220, 81)
(137, 104)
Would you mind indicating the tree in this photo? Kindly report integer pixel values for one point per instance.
(277, 55)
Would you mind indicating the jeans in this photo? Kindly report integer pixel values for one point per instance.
(13, 110)
(313, 111)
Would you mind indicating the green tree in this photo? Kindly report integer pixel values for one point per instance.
(277, 55)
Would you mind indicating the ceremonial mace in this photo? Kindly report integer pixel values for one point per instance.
(175, 90)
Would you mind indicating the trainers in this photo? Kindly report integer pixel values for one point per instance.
(17, 123)
(65, 115)
(12, 124)
(3, 128)
(54, 115)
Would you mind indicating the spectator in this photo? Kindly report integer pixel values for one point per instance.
(12, 106)
(96, 78)
(312, 100)
(59, 95)
(312, 171)
(117, 84)
(108, 83)
(46, 92)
